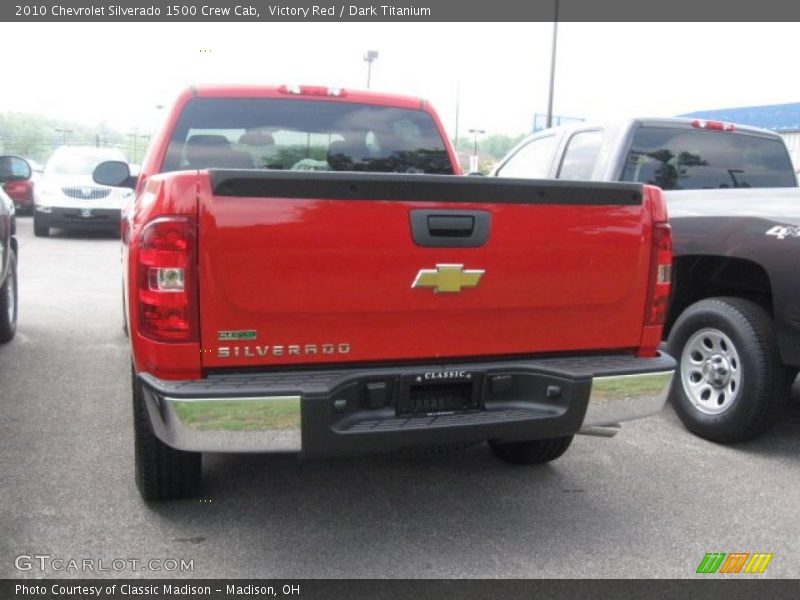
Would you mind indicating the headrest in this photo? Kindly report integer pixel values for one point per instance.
(347, 155)
(214, 151)
(257, 138)
(207, 140)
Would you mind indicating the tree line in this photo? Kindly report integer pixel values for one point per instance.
(35, 136)
(491, 149)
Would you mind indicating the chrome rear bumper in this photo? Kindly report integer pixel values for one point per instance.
(623, 398)
(330, 412)
(246, 424)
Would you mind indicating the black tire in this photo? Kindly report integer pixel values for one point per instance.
(162, 472)
(39, 229)
(8, 301)
(760, 393)
(531, 452)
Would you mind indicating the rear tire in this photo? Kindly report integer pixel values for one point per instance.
(39, 229)
(531, 452)
(162, 472)
(739, 396)
(8, 301)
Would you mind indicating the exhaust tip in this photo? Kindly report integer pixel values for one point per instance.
(601, 430)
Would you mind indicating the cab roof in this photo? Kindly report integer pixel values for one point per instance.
(306, 91)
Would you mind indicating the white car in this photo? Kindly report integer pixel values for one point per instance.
(67, 197)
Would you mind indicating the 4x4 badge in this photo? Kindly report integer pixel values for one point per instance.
(447, 278)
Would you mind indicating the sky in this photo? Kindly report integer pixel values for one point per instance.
(496, 73)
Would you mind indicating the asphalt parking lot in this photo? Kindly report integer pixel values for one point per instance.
(647, 503)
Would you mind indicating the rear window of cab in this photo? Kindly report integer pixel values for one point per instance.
(690, 159)
(298, 134)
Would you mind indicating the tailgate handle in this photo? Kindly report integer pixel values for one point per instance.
(449, 228)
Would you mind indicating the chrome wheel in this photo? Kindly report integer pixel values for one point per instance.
(711, 371)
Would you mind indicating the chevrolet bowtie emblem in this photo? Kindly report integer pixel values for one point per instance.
(447, 278)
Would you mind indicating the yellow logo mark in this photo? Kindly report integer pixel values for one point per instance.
(447, 278)
(758, 562)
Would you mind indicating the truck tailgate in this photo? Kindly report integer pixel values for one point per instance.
(316, 268)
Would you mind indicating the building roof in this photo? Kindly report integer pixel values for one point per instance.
(777, 117)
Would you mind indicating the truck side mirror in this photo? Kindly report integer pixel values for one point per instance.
(14, 168)
(114, 173)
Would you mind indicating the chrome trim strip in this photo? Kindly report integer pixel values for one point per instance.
(248, 424)
(625, 397)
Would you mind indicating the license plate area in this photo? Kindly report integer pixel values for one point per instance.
(428, 396)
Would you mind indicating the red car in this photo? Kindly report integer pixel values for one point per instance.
(18, 184)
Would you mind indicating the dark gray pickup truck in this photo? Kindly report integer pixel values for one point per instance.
(734, 316)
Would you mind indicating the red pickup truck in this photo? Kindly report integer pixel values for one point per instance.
(305, 272)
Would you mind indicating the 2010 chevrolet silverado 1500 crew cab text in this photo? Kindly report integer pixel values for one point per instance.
(734, 318)
(305, 273)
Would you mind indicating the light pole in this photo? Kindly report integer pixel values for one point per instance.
(369, 57)
(552, 69)
(473, 162)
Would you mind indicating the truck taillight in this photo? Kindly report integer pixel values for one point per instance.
(312, 90)
(660, 275)
(167, 280)
(713, 125)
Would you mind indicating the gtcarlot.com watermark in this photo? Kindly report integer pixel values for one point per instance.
(49, 564)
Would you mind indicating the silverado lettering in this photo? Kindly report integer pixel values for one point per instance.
(301, 209)
(290, 350)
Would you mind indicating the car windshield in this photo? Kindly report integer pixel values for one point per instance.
(689, 159)
(78, 162)
(299, 135)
